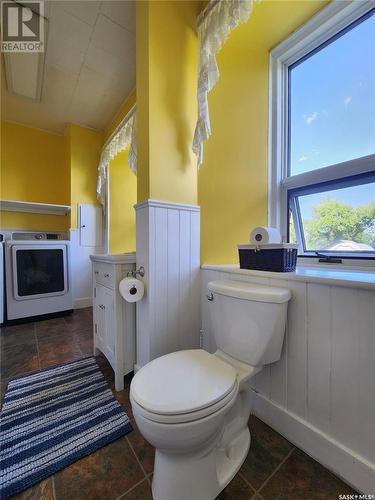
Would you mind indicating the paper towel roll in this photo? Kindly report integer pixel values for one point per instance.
(131, 289)
(263, 235)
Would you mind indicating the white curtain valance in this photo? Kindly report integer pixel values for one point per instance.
(124, 137)
(214, 27)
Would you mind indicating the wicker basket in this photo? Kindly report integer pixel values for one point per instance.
(280, 258)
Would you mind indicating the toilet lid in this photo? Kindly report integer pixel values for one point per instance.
(182, 382)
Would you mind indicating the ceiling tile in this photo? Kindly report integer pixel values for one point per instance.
(119, 70)
(63, 56)
(86, 10)
(92, 82)
(68, 30)
(122, 13)
(102, 61)
(112, 38)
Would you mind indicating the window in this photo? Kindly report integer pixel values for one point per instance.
(322, 136)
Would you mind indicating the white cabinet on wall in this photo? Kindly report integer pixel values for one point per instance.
(114, 319)
(90, 225)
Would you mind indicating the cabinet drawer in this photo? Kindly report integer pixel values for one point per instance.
(104, 274)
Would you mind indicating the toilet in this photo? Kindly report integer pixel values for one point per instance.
(193, 406)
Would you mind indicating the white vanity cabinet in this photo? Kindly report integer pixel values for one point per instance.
(113, 318)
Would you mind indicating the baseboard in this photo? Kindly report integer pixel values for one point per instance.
(345, 463)
(82, 303)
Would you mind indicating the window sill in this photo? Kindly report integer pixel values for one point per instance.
(328, 275)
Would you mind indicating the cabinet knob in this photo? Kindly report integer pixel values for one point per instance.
(102, 306)
(106, 275)
(96, 272)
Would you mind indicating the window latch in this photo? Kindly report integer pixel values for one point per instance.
(328, 259)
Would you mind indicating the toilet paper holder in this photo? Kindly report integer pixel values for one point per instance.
(138, 272)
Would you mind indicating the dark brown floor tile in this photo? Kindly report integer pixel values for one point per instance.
(105, 474)
(237, 489)
(3, 388)
(50, 324)
(41, 491)
(102, 362)
(142, 448)
(18, 335)
(47, 343)
(140, 492)
(79, 325)
(84, 335)
(144, 451)
(51, 329)
(18, 360)
(77, 322)
(86, 345)
(59, 350)
(302, 478)
(123, 398)
(59, 357)
(267, 450)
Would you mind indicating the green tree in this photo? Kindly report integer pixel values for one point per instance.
(334, 220)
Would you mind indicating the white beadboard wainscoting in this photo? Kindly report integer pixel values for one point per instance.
(321, 394)
(168, 317)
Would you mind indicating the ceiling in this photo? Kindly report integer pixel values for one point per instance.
(89, 66)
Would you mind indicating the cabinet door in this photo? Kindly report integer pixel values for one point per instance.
(99, 317)
(109, 324)
(90, 225)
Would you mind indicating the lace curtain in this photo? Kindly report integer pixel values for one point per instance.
(214, 27)
(123, 138)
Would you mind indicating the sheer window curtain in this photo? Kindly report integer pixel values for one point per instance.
(214, 25)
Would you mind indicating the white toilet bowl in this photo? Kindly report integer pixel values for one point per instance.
(193, 406)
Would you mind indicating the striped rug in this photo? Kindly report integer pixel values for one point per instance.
(52, 418)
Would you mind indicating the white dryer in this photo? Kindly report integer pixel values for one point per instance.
(38, 277)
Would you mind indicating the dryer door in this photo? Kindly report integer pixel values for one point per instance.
(39, 271)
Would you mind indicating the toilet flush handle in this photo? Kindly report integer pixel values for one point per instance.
(210, 296)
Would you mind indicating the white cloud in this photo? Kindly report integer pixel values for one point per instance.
(303, 158)
(310, 118)
(348, 100)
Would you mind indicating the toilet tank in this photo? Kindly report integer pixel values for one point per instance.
(248, 320)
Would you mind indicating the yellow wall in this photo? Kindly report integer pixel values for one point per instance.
(142, 79)
(166, 100)
(84, 151)
(232, 182)
(33, 168)
(122, 191)
(123, 197)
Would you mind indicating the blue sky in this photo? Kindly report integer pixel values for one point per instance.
(333, 108)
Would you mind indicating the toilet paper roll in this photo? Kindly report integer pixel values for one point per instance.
(262, 235)
(131, 289)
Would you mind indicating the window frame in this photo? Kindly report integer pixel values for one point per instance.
(319, 30)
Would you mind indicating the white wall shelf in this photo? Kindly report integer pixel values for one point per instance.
(35, 208)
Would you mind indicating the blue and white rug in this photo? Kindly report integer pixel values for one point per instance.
(52, 418)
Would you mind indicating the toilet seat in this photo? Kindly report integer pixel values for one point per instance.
(185, 418)
(183, 386)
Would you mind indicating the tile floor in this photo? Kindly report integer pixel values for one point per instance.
(273, 469)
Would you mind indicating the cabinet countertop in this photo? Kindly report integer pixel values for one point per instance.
(120, 258)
